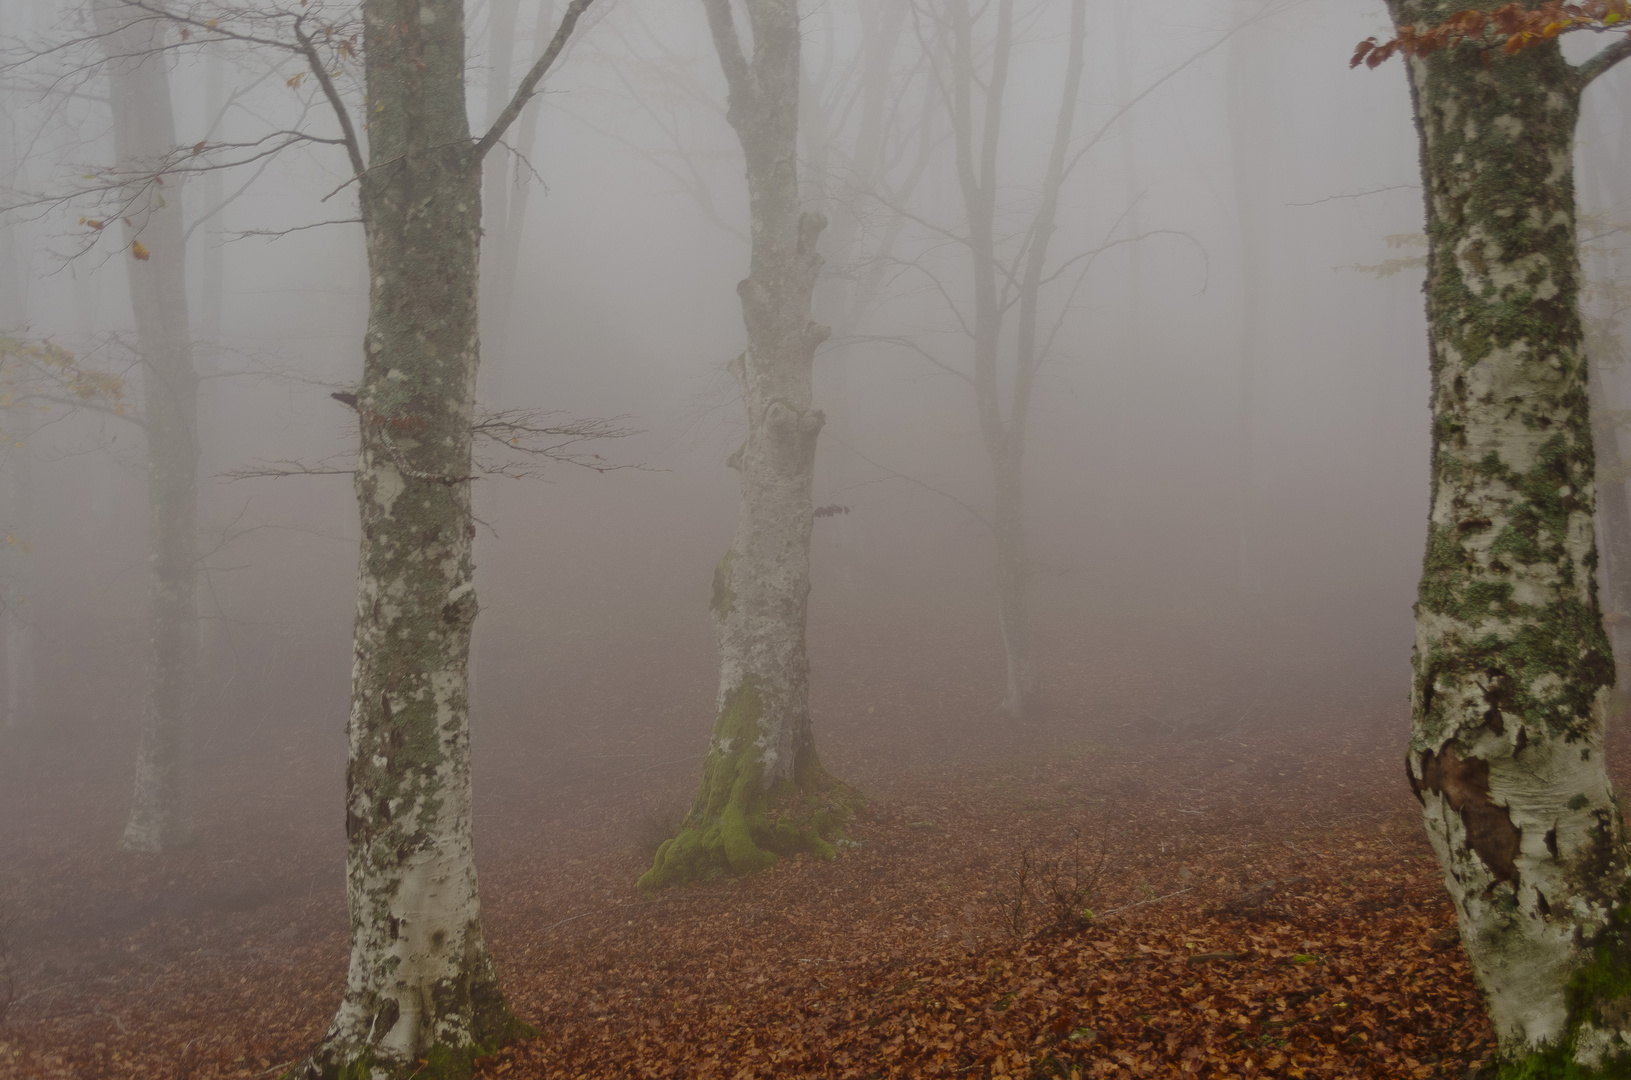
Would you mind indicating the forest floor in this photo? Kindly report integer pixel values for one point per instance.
(1264, 901)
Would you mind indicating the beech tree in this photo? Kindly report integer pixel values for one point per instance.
(421, 982)
(1006, 310)
(1512, 666)
(155, 253)
(764, 791)
(421, 985)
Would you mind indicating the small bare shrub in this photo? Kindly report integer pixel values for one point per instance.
(1053, 887)
(1016, 901)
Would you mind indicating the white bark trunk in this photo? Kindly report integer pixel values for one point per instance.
(421, 983)
(766, 576)
(762, 755)
(1512, 668)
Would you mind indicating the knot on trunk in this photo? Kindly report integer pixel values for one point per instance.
(791, 431)
(460, 609)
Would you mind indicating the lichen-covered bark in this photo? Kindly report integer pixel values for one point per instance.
(764, 791)
(421, 982)
(144, 131)
(1512, 667)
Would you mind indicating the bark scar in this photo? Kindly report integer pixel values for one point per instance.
(1464, 784)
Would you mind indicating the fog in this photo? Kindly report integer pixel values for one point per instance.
(1225, 468)
(1274, 173)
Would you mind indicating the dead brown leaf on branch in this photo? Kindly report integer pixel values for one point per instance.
(1510, 28)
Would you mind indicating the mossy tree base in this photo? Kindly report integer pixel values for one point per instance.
(1595, 1043)
(764, 793)
(439, 1062)
(737, 826)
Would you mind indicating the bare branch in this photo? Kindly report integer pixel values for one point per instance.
(738, 76)
(908, 343)
(1359, 194)
(925, 485)
(278, 234)
(1609, 56)
(538, 438)
(524, 92)
(514, 443)
(308, 48)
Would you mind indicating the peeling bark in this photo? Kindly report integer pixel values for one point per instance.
(144, 131)
(764, 790)
(1512, 667)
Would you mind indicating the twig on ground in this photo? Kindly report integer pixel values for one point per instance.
(1141, 903)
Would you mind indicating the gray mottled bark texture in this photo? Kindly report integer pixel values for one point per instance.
(764, 790)
(421, 983)
(156, 261)
(1512, 667)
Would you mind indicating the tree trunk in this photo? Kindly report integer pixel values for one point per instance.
(1251, 156)
(156, 261)
(975, 99)
(421, 981)
(1013, 574)
(17, 629)
(764, 791)
(1512, 667)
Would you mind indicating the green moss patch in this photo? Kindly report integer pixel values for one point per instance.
(736, 826)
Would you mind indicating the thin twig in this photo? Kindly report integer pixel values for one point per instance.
(1141, 903)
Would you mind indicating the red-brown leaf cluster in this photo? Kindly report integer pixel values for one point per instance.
(1512, 27)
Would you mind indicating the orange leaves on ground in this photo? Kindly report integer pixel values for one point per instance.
(1512, 27)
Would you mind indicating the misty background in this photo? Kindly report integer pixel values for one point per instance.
(1227, 470)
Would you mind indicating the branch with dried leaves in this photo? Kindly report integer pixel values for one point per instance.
(43, 375)
(1510, 28)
